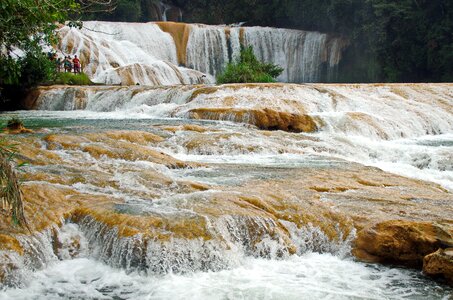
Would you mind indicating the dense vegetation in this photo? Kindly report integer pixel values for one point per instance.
(249, 69)
(405, 40)
(25, 26)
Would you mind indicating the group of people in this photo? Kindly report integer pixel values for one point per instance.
(69, 64)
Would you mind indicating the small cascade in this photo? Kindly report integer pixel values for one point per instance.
(41, 250)
(236, 241)
(207, 49)
(371, 111)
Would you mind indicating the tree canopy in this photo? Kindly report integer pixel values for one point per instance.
(25, 27)
(405, 41)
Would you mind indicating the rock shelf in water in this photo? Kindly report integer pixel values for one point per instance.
(270, 218)
(170, 196)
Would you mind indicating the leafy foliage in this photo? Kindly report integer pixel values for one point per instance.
(23, 73)
(35, 68)
(249, 69)
(24, 26)
(120, 11)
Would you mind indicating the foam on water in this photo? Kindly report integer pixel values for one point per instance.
(309, 276)
(426, 158)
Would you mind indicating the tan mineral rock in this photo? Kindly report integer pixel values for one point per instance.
(267, 119)
(397, 219)
(401, 242)
(440, 263)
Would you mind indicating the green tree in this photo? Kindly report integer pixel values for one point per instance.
(119, 11)
(24, 26)
(249, 69)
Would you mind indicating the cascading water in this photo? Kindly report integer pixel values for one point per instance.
(126, 53)
(185, 203)
(207, 49)
(130, 53)
(300, 52)
(365, 118)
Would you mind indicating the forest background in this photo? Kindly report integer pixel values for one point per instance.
(390, 41)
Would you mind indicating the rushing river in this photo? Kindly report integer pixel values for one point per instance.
(227, 158)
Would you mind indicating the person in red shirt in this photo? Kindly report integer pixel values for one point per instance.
(76, 64)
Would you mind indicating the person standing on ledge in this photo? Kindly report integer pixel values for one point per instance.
(67, 64)
(76, 64)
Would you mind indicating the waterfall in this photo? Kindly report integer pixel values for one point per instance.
(207, 49)
(299, 52)
(126, 53)
(155, 53)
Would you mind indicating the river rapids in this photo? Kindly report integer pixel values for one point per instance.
(269, 191)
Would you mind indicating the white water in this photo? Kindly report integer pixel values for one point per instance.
(403, 129)
(207, 48)
(126, 53)
(130, 53)
(307, 275)
(310, 276)
(300, 52)
(410, 135)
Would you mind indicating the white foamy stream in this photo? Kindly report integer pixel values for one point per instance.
(310, 276)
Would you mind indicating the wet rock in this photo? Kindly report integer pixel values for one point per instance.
(180, 33)
(401, 242)
(296, 210)
(267, 119)
(440, 263)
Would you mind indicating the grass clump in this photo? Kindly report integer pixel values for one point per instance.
(73, 79)
(248, 69)
(11, 198)
(14, 124)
